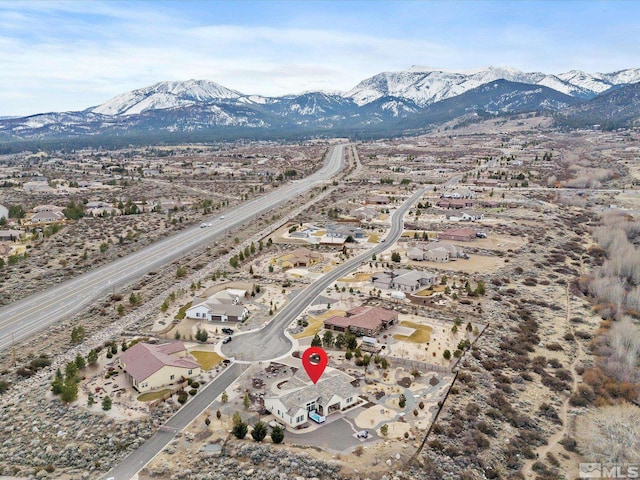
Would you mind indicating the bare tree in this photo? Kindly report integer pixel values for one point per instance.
(610, 434)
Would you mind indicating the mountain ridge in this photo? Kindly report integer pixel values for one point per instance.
(387, 102)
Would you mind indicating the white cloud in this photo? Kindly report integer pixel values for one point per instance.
(72, 55)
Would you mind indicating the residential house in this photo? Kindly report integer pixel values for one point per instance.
(47, 216)
(462, 192)
(465, 216)
(48, 208)
(38, 187)
(486, 182)
(410, 281)
(365, 214)
(224, 306)
(345, 231)
(154, 366)
(300, 257)
(99, 208)
(363, 320)
(4, 212)
(458, 234)
(10, 235)
(377, 200)
(455, 203)
(439, 255)
(435, 252)
(333, 393)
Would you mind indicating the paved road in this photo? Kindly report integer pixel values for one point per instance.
(271, 342)
(183, 417)
(36, 312)
(268, 343)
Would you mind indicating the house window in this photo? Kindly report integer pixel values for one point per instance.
(349, 400)
(197, 314)
(190, 372)
(300, 419)
(172, 377)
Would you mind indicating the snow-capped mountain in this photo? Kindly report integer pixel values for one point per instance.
(409, 100)
(425, 85)
(165, 95)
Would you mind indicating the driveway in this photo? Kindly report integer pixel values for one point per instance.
(337, 434)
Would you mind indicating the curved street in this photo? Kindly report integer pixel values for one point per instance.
(19, 320)
(271, 342)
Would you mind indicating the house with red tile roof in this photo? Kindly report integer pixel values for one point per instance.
(151, 366)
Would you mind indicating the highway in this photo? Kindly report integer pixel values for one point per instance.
(134, 462)
(271, 342)
(25, 317)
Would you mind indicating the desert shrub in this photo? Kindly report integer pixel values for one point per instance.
(547, 411)
(564, 374)
(486, 428)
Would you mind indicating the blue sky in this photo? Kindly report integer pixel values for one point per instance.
(58, 56)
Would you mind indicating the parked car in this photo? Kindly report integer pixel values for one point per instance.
(363, 434)
(221, 217)
(228, 331)
(227, 340)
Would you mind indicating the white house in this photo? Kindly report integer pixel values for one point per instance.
(465, 216)
(224, 306)
(333, 393)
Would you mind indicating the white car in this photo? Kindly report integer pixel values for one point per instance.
(221, 217)
(204, 225)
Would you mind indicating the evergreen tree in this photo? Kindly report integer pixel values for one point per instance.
(106, 403)
(80, 362)
(316, 342)
(277, 434)
(259, 431)
(327, 339)
(240, 430)
(92, 358)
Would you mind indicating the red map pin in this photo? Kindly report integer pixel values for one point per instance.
(314, 361)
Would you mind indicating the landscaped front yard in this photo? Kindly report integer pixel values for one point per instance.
(421, 334)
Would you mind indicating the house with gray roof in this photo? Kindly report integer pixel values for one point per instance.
(224, 306)
(332, 394)
(404, 280)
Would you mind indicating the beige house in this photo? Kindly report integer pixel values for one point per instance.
(154, 366)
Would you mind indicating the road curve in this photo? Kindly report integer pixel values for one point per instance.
(25, 317)
(271, 341)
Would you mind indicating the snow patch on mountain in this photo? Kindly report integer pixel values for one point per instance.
(165, 95)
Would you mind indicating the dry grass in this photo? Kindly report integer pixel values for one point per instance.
(151, 396)
(316, 323)
(422, 333)
(374, 238)
(359, 277)
(207, 360)
(431, 290)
